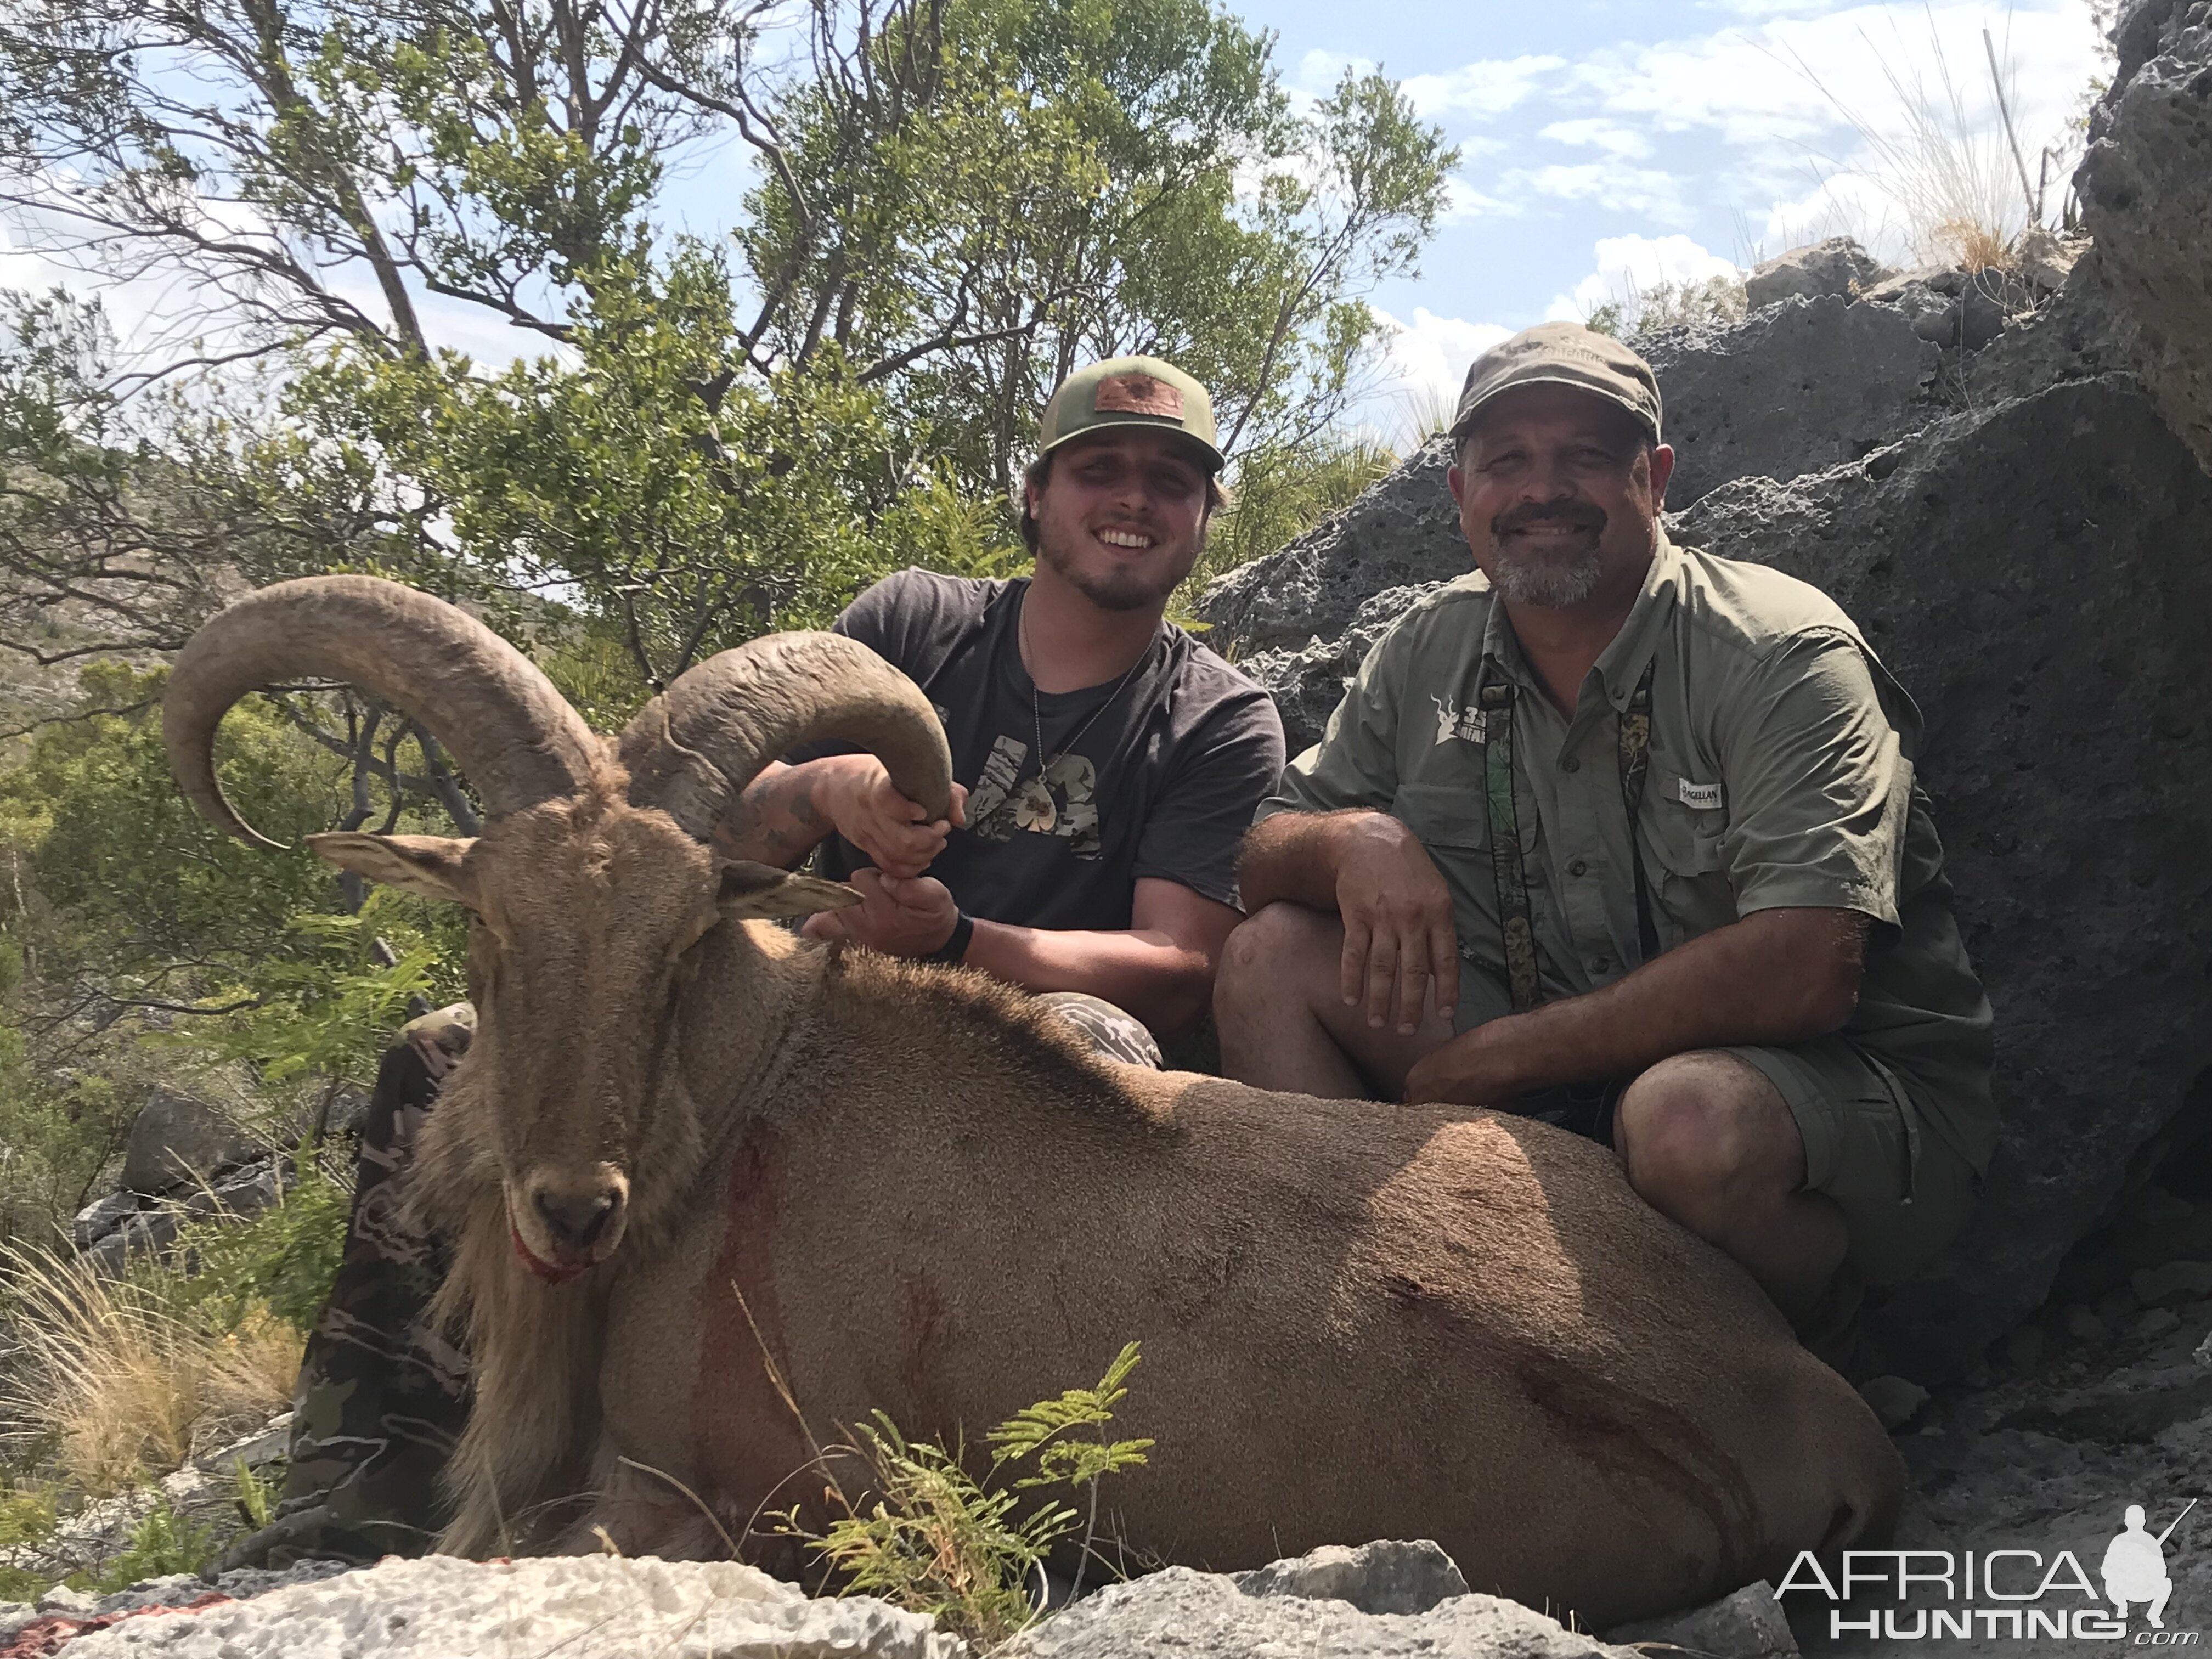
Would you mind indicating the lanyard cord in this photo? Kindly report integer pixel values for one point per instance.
(1502, 819)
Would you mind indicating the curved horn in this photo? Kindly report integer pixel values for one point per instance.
(512, 735)
(693, 749)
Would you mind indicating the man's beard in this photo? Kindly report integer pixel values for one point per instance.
(1549, 581)
(1122, 587)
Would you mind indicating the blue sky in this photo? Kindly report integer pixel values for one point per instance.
(1610, 144)
(1606, 145)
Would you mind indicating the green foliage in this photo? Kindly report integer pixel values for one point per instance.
(1667, 304)
(938, 1540)
(224, 1269)
(28, 1522)
(256, 1495)
(163, 1542)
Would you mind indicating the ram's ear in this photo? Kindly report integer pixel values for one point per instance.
(760, 891)
(428, 865)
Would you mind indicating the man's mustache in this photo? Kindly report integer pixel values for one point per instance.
(1581, 515)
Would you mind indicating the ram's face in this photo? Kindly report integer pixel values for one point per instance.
(590, 916)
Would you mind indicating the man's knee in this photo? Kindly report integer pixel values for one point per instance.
(1272, 951)
(1702, 1125)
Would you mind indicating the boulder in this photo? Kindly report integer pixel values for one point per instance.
(2082, 331)
(1402, 531)
(1749, 1624)
(579, 1607)
(1838, 266)
(177, 1140)
(1388, 1575)
(2146, 190)
(1950, 308)
(1299, 1606)
(102, 1216)
(2038, 575)
(1790, 389)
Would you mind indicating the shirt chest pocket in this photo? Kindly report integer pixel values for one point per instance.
(1685, 834)
(1448, 815)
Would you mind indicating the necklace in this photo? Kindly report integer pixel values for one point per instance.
(1037, 706)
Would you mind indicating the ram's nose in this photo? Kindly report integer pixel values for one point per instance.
(583, 1220)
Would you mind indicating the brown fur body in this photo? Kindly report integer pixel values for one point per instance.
(1358, 1320)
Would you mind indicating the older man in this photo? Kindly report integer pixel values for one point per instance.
(1626, 835)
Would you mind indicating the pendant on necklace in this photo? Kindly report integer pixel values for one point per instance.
(1034, 810)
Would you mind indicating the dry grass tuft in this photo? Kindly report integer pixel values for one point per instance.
(110, 1385)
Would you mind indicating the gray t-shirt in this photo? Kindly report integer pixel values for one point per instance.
(1159, 778)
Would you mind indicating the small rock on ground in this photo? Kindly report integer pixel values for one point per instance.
(1749, 1624)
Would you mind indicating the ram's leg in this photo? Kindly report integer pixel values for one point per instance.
(636, 1512)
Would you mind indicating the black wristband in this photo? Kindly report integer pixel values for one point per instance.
(955, 949)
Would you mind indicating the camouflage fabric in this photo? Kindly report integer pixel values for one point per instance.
(381, 1396)
(1113, 1032)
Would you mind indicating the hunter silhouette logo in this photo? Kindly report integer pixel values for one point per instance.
(2135, 1566)
(2002, 1595)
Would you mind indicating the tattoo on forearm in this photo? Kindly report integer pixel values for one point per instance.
(775, 821)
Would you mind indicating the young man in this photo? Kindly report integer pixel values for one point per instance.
(1626, 835)
(1110, 762)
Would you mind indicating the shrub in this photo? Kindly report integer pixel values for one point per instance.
(937, 1539)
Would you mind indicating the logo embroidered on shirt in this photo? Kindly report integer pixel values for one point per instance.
(1453, 723)
(1705, 796)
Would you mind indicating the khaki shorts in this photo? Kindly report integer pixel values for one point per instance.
(1905, 1193)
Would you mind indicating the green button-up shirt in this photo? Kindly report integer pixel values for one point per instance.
(1781, 775)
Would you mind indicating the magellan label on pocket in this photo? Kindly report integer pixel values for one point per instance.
(1705, 796)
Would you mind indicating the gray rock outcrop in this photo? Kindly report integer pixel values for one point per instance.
(2039, 576)
(1797, 387)
(1306, 1606)
(2146, 189)
(176, 1140)
(1838, 266)
(580, 1606)
(1749, 1624)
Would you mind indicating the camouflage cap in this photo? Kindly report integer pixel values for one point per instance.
(1560, 353)
(1130, 392)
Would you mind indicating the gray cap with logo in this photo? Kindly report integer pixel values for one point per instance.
(1560, 353)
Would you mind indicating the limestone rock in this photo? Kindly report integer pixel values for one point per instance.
(2084, 330)
(176, 1140)
(1307, 683)
(1179, 1613)
(1791, 389)
(1403, 531)
(1387, 1576)
(1947, 307)
(1749, 1624)
(2039, 576)
(102, 1216)
(1838, 266)
(2174, 1281)
(2146, 189)
(580, 1606)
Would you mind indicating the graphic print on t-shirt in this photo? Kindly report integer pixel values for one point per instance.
(1061, 802)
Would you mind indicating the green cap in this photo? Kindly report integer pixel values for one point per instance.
(1130, 392)
(1560, 353)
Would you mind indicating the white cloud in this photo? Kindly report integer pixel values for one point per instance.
(1627, 265)
(1598, 133)
(1487, 87)
(1462, 202)
(1651, 192)
(1427, 358)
